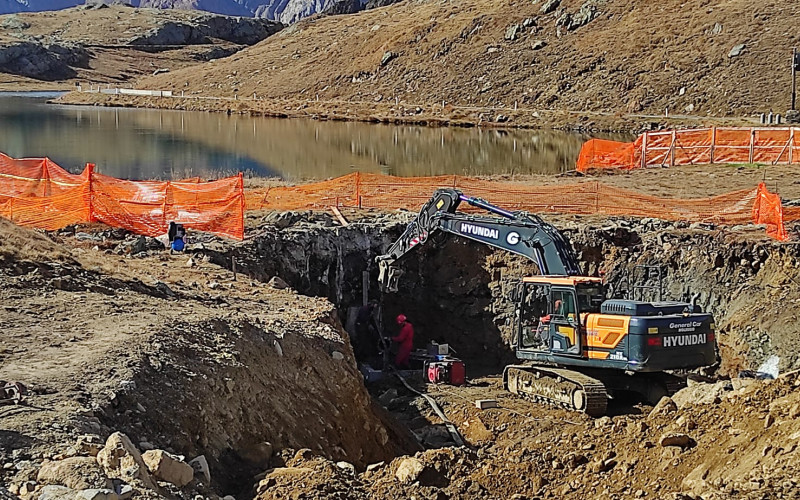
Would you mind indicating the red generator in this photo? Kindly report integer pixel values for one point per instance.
(445, 370)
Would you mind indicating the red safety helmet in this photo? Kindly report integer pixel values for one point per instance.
(401, 318)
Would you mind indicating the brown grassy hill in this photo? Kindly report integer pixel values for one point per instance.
(634, 56)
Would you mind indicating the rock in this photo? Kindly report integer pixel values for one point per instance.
(168, 467)
(549, 6)
(55, 492)
(664, 406)
(603, 465)
(676, 439)
(27, 488)
(337, 355)
(736, 50)
(278, 283)
(190, 262)
(695, 482)
(538, 44)
(89, 444)
(387, 396)
(77, 473)
(769, 420)
(120, 459)
(701, 394)
(717, 29)
(200, 466)
(258, 454)
(512, 32)
(409, 470)
(792, 116)
(375, 466)
(387, 56)
(96, 494)
(125, 492)
(347, 467)
(603, 421)
(145, 446)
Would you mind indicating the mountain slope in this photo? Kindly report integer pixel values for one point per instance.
(616, 56)
(285, 11)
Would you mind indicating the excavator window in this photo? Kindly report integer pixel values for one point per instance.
(563, 304)
(590, 297)
(534, 307)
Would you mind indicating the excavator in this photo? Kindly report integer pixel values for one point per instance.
(578, 348)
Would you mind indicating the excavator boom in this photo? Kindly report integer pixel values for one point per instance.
(516, 232)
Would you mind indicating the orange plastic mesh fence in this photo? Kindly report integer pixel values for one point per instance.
(696, 146)
(39, 193)
(379, 191)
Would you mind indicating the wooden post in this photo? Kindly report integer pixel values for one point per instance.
(644, 150)
(672, 148)
(90, 175)
(752, 143)
(713, 144)
(791, 144)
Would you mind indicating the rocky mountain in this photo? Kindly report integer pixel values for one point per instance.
(284, 11)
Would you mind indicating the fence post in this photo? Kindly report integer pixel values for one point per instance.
(644, 151)
(791, 144)
(90, 171)
(358, 189)
(752, 143)
(672, 148)
(713, 143)
(596, 197)
(242, 204)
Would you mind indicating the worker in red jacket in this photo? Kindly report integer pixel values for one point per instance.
(406, 340)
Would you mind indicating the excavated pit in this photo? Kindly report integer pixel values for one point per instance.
(204, 365)
(457, 291)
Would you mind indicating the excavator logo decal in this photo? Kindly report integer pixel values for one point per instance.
(480, 231)
(512, 238)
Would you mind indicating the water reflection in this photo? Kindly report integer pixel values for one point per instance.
(154, 144)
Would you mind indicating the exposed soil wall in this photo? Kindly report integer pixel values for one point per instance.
(456, 291)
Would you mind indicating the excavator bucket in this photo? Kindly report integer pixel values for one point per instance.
(388, 276)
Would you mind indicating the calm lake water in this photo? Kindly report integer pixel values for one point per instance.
(154, 144)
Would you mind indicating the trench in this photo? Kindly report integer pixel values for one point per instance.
(454, 291)
(457, 291)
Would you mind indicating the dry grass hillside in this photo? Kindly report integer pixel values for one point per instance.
(632, 57)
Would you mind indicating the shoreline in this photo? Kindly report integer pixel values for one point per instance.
(431, 115)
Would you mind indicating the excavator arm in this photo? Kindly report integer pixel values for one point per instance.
(516, 232)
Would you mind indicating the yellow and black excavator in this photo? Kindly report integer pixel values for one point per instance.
(580, 348)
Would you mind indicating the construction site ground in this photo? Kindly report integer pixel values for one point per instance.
(112, 334)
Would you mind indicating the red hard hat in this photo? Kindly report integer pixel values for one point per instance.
(401, 318)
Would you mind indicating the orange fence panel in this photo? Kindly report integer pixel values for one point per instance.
(39, 193)
(694, 146)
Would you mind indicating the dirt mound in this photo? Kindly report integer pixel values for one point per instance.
(493, 61)
(734, 439)
(175, 353)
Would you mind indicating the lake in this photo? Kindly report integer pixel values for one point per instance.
(155, 144)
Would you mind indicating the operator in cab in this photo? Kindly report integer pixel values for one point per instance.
(406, 341)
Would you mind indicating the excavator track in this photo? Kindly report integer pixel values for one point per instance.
(558, 387)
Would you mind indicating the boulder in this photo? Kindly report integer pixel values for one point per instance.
(89, 445)
(278, 283)
(96, 494)
(120, 459)
(409, 470)
(77, 473)
(168, 467)
(737, 50)
(701, 394)
(55, 492)
(258, 454)
(677, 439)
(664, 406)
(200, 466)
